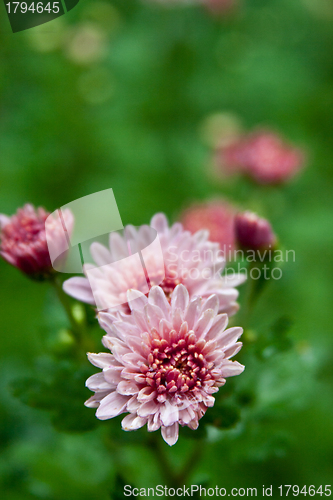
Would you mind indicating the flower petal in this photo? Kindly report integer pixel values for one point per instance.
(116, 346)
(132, 422)
(101, 360)
(118, 247)
(136, 300)
(97, 382)
(100, 254)
(170, 434)
(228, 337)
(219, 324)
(212, 303)
(147, 409)
(80, 289)
(95, 400)
(4, 220)
(127, 388)
(179, 298)
(233, 349)
(234, 279)
(204, 323)
(133, 404)
(157, 298)
(112, 405)
(154, 422)
(113, 375)
(125, 330)
(159, 222)
(230, 309)
(140, 320)
(169, 413)
(231, 369)
(106, 321)
(177, 319)
(146, 394)
(193, 312)
(153, 316)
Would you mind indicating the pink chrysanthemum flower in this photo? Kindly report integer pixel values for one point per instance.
(23, 240)
(167, 361)
(262, 155)
(217, 217)
(190, 259)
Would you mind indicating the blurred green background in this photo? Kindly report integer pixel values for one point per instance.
(116, 95)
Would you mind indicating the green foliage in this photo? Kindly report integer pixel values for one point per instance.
(132, 118)
(58, 387)
(275, 339)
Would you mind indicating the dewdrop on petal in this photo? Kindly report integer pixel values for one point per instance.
(167, 361)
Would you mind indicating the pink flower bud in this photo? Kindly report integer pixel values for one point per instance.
(252, 232)
(23, 241)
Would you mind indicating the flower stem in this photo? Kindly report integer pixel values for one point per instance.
(156, 446)
(253, 292)
(171, 478)
(78, 328)
(191, 464)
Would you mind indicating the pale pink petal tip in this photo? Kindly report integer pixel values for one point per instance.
(4, 220)
(170, 434)
(159, 222)
(79, 288)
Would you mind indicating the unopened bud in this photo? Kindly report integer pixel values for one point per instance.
(252, 232)
(23, 240)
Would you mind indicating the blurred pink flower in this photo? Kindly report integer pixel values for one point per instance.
(190, 259)
(167, 361)
(253, 232)
(23, 241)
(217, 217)
(221, 6)
(263, 155)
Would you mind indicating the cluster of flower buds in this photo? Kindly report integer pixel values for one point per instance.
(261, 155)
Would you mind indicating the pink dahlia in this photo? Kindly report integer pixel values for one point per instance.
(217, 217)
(23, 241)
(262, 155)
(167, 361)
(190, 259)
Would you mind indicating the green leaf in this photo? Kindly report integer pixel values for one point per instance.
(59, 387)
